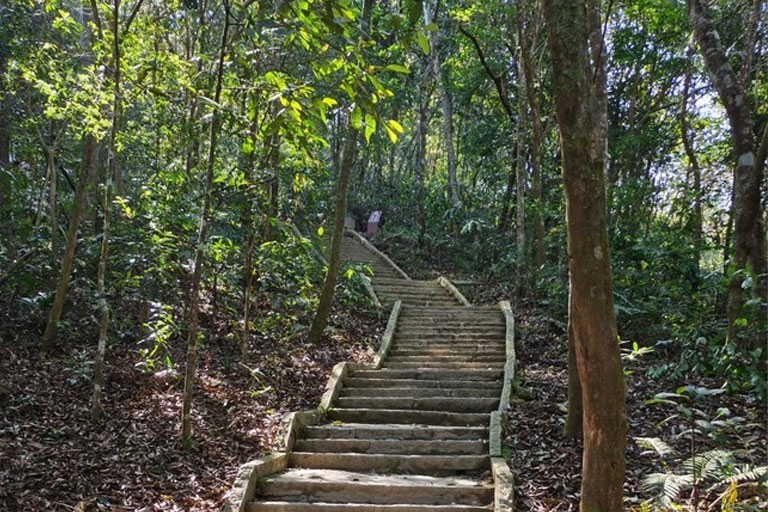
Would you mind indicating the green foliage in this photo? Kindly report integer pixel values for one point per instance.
(705, 471)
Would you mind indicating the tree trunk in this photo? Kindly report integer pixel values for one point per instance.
(520, 206)
(581, 116)
(97, 410)
(334, 256)
(693, 168)
(573, 428)
(537, 134)
(53, 218)
(197, 274)
(421, 162)
(90, 146)
(445, 101)
(748, 225)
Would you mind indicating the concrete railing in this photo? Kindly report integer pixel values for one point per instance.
(503, 481)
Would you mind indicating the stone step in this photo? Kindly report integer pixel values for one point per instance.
(347, 487)
(414, 282)
(453, 404)
(450, 331)
(441, 344)
(470, 310)
(445, 358)
(450, 334)
(467, 339)
(457, 351)
(393, 431)
(368, 382)
(291, 506)
(401, 416)
(457, 323)
(430, 464)
(490, 392)
(394, 446)
(429, 374)
(411, 301)
(426, 295)
(463, 365)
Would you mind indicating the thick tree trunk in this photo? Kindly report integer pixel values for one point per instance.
(87, 163)
(748, 224)
(197, 274)
(334, 256)
(581, 119)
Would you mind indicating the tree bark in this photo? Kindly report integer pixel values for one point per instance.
(537, 133)
(197, 274)
(520, 181)
(578, 92)
(445, 101)
(574, 420)
(421, 161)
(53, 219)
(693, 168)
(97, 410)
(334, 256)
(748, 224)
(49, 337)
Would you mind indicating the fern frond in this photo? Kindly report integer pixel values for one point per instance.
(669, 485)
(655, 444)
(750, 474)
(709, 464)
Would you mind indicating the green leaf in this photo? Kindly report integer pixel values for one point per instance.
(423, 42)
(357, 117)
(395, 126)
(320, 231)
(398, 68)
(370, 127)
(391, 134)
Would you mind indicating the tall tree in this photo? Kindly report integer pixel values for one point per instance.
(579, 92)
(431, 13)
(749, 227)
(334, 256)
(197, 273)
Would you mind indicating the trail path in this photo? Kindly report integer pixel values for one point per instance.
(413, 434)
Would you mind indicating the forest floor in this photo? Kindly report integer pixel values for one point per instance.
(53, 458)
(547, 467)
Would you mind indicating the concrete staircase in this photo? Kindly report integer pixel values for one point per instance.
(411, 435)
(390, 283)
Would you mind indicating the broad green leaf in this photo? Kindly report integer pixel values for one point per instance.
(395, 126)
(423, 42)
(397, 68)
(357, 117)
